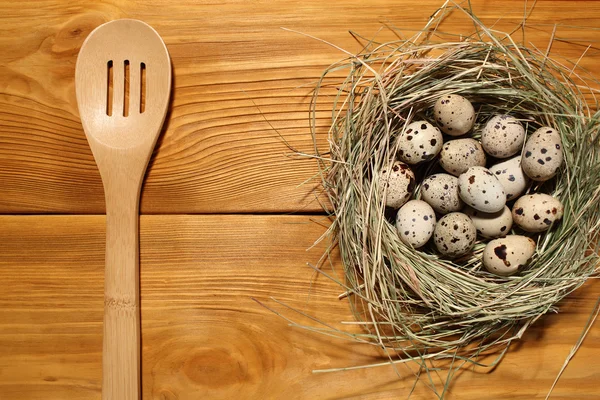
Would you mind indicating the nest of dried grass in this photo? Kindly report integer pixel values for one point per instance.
(416, 304)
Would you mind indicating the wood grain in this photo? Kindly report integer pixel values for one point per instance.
(240, 82)
(203, 336)
(241, 87)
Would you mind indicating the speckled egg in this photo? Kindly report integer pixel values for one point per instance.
(542, 154)
(504, 256)
(440, 191)
(536, 212)
(454, 114)
(511, 176)
(460, 154)
(415, 222)
(480, 189)
(454, 234)
(502, 136)
(398, 181)
(419, 142)
(490, 225)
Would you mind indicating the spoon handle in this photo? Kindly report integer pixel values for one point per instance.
(121, 345)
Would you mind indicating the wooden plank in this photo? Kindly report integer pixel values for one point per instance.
(240, 81)
(203, 336)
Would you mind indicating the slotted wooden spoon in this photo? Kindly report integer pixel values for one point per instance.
(123, 83)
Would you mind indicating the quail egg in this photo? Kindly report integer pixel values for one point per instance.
(502, 136)
(454, 234)
(419, 142)
(460, 154)
(480, 189)
(511, 176)
(415, 222)
(440, 191)
(542, 154)
(454, 114)
(491, 225)
(398, 182)
(536, 212)
(504, 256)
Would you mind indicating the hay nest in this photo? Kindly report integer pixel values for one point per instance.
(416, 304)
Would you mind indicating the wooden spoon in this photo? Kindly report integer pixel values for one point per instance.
(123, 83)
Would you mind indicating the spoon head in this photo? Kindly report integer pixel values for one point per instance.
(123, 84)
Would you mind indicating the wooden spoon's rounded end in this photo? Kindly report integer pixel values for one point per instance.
(122, 79)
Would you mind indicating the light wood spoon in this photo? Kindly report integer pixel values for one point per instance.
(123, 83)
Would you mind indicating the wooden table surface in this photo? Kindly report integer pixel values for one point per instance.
(227, 217)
